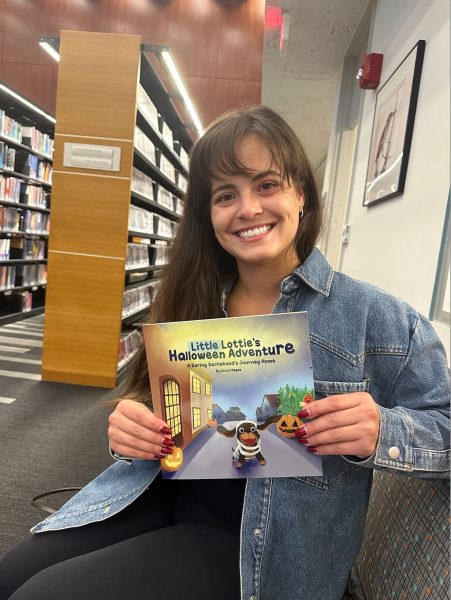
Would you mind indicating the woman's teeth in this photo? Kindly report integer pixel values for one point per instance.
(253, 232)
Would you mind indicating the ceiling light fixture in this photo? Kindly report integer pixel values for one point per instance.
(51, 46)
(181, 87)
(27, 103)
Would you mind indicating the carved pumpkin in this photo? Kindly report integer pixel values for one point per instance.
(212, 422)
(172, 462)
(287, 425)
(308, 398)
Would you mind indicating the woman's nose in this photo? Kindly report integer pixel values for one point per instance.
(249, 205)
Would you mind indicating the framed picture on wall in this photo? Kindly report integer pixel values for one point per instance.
(391, 136)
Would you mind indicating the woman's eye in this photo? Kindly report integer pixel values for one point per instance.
(223, 199)
(268, 185)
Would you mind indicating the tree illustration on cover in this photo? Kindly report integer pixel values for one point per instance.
(291, 401)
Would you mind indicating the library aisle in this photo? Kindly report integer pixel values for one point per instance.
(53, 435)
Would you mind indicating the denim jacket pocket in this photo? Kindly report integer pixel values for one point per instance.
(335, 468)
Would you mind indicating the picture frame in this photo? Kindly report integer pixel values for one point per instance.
(393, 122)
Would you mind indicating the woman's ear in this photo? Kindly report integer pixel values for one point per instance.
(301, 200)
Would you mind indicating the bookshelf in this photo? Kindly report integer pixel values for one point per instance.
(110, 228)
(26, 157)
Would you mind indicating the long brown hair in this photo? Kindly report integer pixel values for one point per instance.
(198, 266)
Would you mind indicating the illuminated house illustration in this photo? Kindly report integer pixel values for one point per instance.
(269, 407)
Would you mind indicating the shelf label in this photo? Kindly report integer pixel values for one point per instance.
(92, 156)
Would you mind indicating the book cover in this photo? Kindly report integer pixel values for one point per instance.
(230, 389)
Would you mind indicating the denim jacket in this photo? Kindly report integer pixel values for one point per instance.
(300, 536)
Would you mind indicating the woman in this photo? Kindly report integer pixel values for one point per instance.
(246, 246)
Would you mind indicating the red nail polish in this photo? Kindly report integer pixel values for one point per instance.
(313, 449)
(304, 413)
(168, 442)
(303, 440)
(164, 429)
(166, 450)
(156, 455)
(301, 432)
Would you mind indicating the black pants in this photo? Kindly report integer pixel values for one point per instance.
(165, 546)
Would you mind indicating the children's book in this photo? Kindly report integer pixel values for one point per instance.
(230, 390)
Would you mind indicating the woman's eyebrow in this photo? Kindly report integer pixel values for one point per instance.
(255, 177)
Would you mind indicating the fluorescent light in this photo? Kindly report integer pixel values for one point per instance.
(178, 80)
(48, 48)
(26, 102)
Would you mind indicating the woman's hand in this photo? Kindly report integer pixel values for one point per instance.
(135, 432)
(345, 424)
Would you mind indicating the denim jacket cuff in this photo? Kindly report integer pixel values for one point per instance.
(117, 456)
(394, 449)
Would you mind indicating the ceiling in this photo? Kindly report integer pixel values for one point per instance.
(302, 86)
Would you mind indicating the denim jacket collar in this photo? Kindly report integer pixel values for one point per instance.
(315, 271)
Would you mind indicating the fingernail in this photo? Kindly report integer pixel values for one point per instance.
(168, 442)
(304, 413)
(164, 429)
(159, 455)
(303, 440)
(166, 450)
(313, 449)
(300, 432)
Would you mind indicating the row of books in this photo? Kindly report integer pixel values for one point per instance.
(136, 299)
(137, 256)
(33, 195)
(22, 276)
(147, 147)
(10, 188)
(128, 345)
(146, 221)
(28, 275)
(149, 111)
(159, 256)
(22, 162)
(38, 141)
(28, 136)
(17, 301)
(145, 186)
(25, 221)
(22, 248)
(7, 277)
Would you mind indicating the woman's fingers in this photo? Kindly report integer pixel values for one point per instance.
(134, 431)
(344, 424)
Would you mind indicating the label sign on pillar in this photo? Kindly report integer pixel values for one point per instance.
(92, 156)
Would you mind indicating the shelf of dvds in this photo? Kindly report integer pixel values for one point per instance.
(26, 148)
(107, 252)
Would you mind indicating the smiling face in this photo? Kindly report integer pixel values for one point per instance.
(255, 217)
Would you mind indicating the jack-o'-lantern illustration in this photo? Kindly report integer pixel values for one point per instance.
(307, 398)
(172, 462)
(212, 423)
(287, 425)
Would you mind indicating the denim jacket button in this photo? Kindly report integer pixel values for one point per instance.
(257, 532)
(106, 509)
(251, 597)
(394, 452)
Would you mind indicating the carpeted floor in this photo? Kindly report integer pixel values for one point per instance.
(52, 435)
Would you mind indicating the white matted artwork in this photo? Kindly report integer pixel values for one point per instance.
(391, 136)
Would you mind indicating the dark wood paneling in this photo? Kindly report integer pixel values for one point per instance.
(217, 44)
(230, 93)
(194, 33)
(241, 49)
(35, 82)
(24, 23)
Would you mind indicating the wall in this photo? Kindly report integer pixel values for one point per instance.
(395, 244)
(217, 44)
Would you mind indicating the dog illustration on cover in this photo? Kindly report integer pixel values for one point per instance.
(248, 440)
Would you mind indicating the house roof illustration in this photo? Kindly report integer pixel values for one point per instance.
(272, 399)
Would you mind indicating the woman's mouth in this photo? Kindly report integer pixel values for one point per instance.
(247, 234)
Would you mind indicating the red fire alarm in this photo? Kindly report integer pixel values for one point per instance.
(369, 73)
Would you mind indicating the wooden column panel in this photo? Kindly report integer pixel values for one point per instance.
(96, 105)
(84, 299)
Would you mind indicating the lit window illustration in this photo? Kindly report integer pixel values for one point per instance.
(196, 417)
(171, 395)
(196, 385)
(207, 389)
